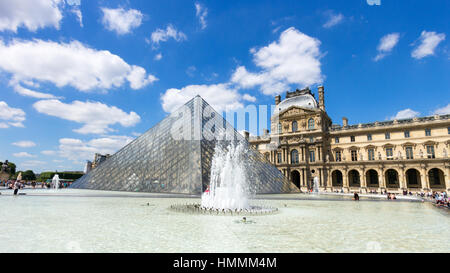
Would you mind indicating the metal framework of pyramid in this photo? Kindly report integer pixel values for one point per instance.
(175, 156)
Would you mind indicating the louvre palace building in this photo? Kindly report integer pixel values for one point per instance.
(396, 155)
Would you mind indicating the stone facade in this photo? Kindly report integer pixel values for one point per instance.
(408, 154)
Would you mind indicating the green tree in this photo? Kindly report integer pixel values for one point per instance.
(28, 175)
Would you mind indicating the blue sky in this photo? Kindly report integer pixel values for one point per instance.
(79, 77)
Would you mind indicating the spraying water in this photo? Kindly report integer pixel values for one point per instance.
(229, 187)
(55, 181)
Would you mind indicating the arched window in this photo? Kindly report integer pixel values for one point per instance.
(294, 126)
(294, 157)
(311, 124)
(279, 128)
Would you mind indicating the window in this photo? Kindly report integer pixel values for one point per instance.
(311, 124)
(409, 153)
(369, 137)
(387, 135)
(294, 157)
(406, 134)
(371, 154)
(279, 158)
(294, 126)
(279, 128)
(389, 154)
(352, 138)
(448, 129)
(338, 156)
(311, 139)
(336, 139)
(427, 132)
(354, 155)
(430, 151)
(312, 157)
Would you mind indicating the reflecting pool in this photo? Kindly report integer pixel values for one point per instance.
(70, 220)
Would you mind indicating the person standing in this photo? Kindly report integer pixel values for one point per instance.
(16, 187)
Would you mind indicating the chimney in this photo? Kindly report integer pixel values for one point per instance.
(344, 121)
(246, 135)
(321, 98)
(277, 99)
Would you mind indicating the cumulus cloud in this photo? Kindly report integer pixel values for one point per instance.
(404, 114)
(96, 117)
(220, 96)
(30, 14)
(77, 149)
(10, 116)
(68, 64)
(333, 19)
(162, 35)
(293, 59)
(23, 154)
(48, 152)
(78, 14)
(24, 144)
(429, 40)
(31, 93)
(201, 12)
(158, 57)
(120, 20)
(442, 111)
(387, 43)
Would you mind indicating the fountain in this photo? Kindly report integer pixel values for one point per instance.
(316, 185)
(229, 187)
(229, 192)
(55, 182)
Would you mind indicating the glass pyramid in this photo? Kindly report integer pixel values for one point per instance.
(175, 157)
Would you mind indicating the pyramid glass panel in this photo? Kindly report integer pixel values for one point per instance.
(175, 157)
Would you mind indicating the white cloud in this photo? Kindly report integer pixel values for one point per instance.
(161, 35)
(248, 97)
(138, 77)
(48, 152)
(404, 114)
(76, 149)
(96, 117)
(24, 144)
(333, 19)
(158, 57)
(220, 96)
(68, 64)
(120, 20)
(201, 12)
(10, 116)
(23, 154)
(30, 14)
(33, 163)
(294, 59)
(443, 111)
(77, 13)
(428, 43)
(31, 93)
(387, 43)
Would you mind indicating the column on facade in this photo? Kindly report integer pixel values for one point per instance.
(424, 179)
(401, 178)
(363, 178)
(447, 178)
(382, 181)
(345, 182)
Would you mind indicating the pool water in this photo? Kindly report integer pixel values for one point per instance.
(72, 220)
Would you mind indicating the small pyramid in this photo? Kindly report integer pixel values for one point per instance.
(175, 157)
